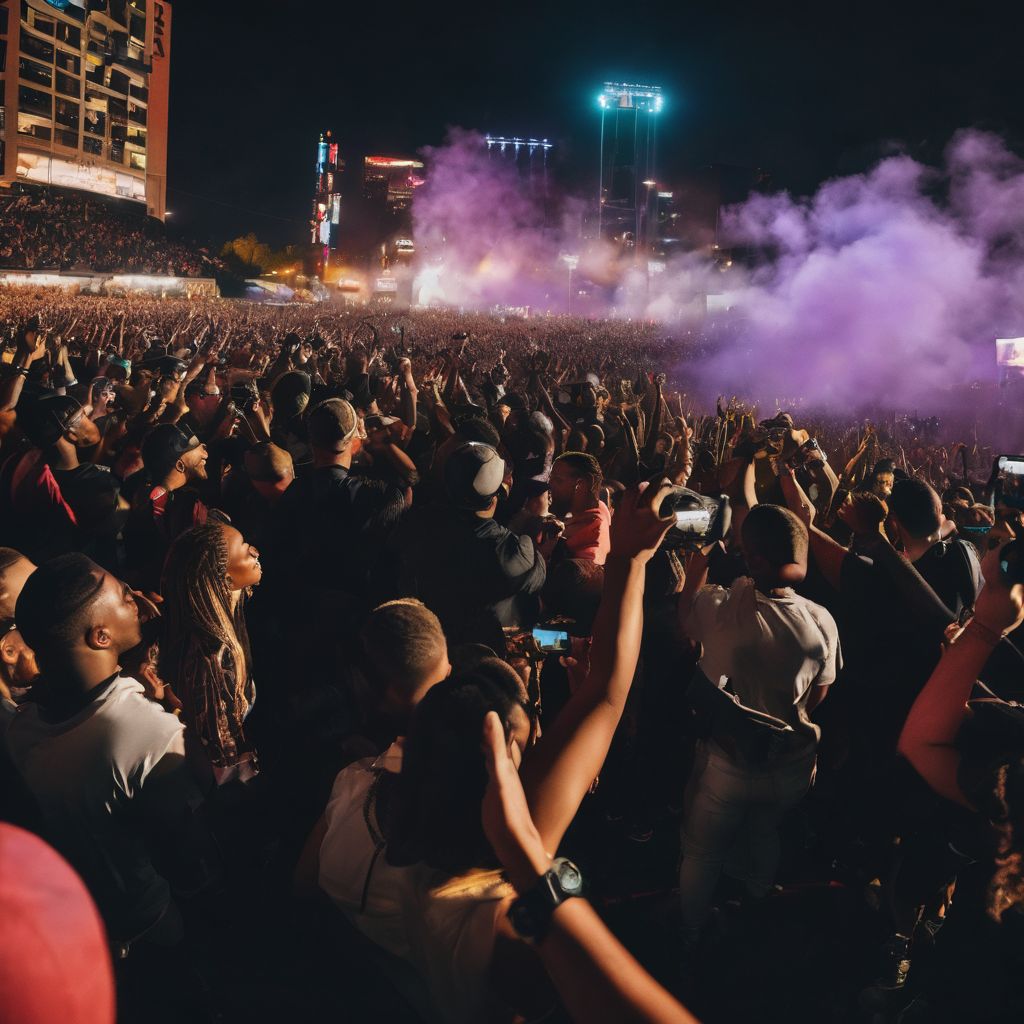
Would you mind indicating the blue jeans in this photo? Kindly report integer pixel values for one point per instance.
(731, 818)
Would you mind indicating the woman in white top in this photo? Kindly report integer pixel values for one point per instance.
(453, 898)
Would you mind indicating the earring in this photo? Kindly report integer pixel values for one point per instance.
(229, 581)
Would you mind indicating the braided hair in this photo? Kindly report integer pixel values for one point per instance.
(1006, 888)
(198, 608)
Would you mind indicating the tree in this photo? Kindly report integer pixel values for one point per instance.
(247, 255)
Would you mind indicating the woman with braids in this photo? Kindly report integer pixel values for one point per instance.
(205, 647)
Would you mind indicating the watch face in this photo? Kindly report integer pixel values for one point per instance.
(569, 877)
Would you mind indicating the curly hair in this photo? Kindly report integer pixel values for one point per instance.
(1006, 887)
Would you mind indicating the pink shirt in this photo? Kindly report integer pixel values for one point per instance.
(587, 534)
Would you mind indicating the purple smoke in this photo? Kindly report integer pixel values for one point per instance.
(887, 287)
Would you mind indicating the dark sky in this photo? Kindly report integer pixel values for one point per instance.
(806, 91)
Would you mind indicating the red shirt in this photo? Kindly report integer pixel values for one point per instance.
(587, 534)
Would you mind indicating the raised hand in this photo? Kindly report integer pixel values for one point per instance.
(637, 529)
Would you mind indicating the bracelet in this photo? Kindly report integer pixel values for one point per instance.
(23, 370)
(987, 636)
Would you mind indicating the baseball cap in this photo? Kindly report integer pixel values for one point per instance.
(164, 445)
(332, 424)
(473, 474)
(513, 401)
(48, 419)
(290, 394)
(268, 463)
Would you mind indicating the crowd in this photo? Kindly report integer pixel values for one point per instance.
(415, 667)
(66, 230)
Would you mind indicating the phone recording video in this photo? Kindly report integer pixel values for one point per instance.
(693, 521)
(551, 640)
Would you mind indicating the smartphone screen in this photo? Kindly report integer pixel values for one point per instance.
(695, 521)
(551, 639)
(1010, 481)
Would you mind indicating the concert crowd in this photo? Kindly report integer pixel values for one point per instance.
(450, 667)
(66, 231)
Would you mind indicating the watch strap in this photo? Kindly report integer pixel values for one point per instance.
(530, 914)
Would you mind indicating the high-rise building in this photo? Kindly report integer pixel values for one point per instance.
(325, 219)
(627, 197)
(84, 96)
(391, 181)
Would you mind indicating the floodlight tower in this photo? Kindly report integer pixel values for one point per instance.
(629, 118)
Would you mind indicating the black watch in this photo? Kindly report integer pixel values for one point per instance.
(530, 915)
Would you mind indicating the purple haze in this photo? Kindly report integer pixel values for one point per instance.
(884, 287)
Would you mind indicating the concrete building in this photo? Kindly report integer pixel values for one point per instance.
(84, 88)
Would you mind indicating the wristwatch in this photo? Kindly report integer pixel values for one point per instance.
(530, 914)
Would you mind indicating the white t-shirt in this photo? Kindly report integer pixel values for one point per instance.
(443, 928)
(772, 650)
(451, 924)
(353, 869)
(84, 773)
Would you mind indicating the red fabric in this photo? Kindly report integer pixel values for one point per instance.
(588, 534)
(35, 492)
(56, 966)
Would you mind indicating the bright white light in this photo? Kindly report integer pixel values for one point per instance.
(602, 100)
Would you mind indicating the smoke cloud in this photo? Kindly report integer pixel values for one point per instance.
(886, 287)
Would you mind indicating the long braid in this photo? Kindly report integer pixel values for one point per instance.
(197, 604)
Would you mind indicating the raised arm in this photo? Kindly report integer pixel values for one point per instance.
(931, 728)
(569, 756)
(24, 357)
(827, 553)
(598, 980)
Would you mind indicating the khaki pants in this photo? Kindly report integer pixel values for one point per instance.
(731, 820)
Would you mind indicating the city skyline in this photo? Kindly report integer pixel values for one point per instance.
(807, 94)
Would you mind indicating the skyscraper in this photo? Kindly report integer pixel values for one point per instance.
(628, 182)
(84, 96)
(326, 213)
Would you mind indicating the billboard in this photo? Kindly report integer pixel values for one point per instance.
(51, 170)
(401, 175)
(158, 52)
(1010, 356)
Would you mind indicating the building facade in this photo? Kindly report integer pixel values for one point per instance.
(326, 213)
(84, 90)
(627, 198)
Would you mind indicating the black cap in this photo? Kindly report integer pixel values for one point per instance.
(291, 394)
(513, 401)
(165, 366)
(47, 420)
(164, 445)
(473, 475)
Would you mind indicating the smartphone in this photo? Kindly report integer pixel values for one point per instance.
(1010, 481)
(551, 640)
(693, 521)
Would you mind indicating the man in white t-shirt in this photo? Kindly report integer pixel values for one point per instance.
(104, 763)
(775, 653)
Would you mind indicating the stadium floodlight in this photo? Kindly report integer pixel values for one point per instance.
(631, 96)
(628, 156)
(501, 141)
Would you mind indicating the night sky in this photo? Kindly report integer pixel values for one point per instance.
(806, 91)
